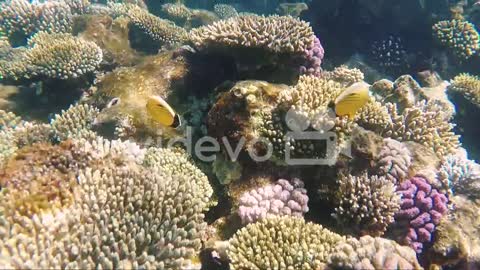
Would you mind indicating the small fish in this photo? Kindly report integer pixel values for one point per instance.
(161, 112)
(352, 99)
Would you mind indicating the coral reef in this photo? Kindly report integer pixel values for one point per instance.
(282, 198)
(460, 176)
(366, 204)
(287, 242)
(467, 85)
(177, 11)
(344, 75)
(459, 36)
(457, 243)
(394, 161)
(292, 9)
(274, 33)
(313, 59)
(225, 11)
(154, 217)
(159, 30)
(373, 253)
(426, 123)
(75, 122)
(422, 208)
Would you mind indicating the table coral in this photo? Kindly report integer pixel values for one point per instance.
(281, 243)
(422, 208)
(281, 198)
(373, 253)
(366, 204)
(160, 30)
(280, 34)
(459, 36)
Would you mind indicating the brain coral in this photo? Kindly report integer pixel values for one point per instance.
(281, 243)
(460, 36)
(373, 253)
(467, 85)
(119, 214)
(282, 198)
(278, 34)
(61, 56)
(422, 207)
(366, 204)
(394, 160)
(425, 123)
(160, 30)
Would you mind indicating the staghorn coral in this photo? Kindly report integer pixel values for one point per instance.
(426, 123)
(422, 208)
(366, 204)
(459, 36)
(115, 213)
(373, 253)
(460, 175)
(160, 30)
(75, 122)
(273, 33)
(467, 85)
(281, 243)
(394, 160)
(282, 198)
(61, 56)
(344, 75)
(225, 11)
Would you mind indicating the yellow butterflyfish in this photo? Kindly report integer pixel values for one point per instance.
(161, 112)
(352, 99)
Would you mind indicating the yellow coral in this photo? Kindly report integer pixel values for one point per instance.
(460, 36)
(468, 85)
(281, 243)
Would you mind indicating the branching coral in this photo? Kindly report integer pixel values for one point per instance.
(460, 176)
(422, 208)
(61, 56)
(394, 160)
(366, 203)
(17, 17)
(460, 36)
(116, 213)
(344, 75)
(282, 198)
(373, 253)
(467, 85)
(160, 30)
(281, 243)
(274, 33)
(425, 123)
(75, 122)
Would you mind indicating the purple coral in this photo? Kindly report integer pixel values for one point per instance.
(282, 198)
(314, 56)
(422, 207)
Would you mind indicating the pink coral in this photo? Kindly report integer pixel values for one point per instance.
(422, 207)
(282, 198)
(314, 56)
